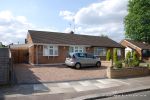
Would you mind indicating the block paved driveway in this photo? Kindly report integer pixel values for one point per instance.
(26, 73)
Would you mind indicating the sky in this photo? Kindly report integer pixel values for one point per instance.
(89, 17)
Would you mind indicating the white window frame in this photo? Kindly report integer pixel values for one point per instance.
(73, 49)
(47, 48)
(96, 51)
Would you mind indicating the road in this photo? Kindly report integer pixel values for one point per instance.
(136, 96)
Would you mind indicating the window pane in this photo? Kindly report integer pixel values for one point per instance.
(80, 50)
(81, 55)
(50, 51)
(50, 46)
(45, 50)
(99, 51)
(56, 52)
(76, 47)
(89, 56)
(119, 52)
(76, 50)
(71, 49)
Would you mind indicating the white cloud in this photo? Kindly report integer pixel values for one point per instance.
(67, 15)
(104, 17)
(13, 29)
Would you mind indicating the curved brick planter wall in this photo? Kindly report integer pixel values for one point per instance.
(127, 72)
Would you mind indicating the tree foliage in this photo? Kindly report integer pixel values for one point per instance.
(108, 56)
(115, 57)
(137, 22)
(135, 57)
(128, 55)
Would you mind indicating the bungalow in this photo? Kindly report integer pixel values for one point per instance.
(142, 49)
(53, 47)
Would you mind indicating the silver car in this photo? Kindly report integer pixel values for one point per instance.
(79, 60)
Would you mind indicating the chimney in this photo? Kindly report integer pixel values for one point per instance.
(26, 41)
(71, 32)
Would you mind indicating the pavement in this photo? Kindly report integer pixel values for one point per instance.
(76, 90)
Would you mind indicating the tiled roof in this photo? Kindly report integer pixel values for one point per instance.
(71, 39)
(139, 44)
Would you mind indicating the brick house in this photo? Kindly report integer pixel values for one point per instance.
(53, 47)
(142, 49)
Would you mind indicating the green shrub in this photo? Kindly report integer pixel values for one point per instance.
(135, 58)
(115, 57)
(132, 63)
(135, 63)
(128, 55)
(148, 65)
(108, 56)
(118, 64)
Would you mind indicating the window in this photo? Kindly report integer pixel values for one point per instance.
(89, 56)
(50, 50)
(99, 51)
(118, 51)
(73, 49)
(146, 53)
(81, 55)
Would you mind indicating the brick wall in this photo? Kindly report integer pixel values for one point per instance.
(127, 72)
(36, 55)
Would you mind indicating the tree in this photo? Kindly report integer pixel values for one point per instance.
(115, 57)
(108, 56)
(137, 22)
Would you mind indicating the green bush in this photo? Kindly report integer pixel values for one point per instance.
(128, 55)
(118, 64)
(108, 56)
(135, 58)
(115, 57)
(132, 63)
(148, 65)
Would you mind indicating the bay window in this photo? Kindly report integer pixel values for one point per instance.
(50, 50)
(73, 49)
(98, 51)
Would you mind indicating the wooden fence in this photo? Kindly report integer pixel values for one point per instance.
(5, 66)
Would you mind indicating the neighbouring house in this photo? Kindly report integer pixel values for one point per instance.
(53, 47)
(142, 49)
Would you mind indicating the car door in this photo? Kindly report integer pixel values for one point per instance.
(90, 59)
(81, 58)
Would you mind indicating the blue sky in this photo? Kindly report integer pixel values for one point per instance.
(91, 17)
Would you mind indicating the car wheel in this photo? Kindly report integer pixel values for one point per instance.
(98, 64)
(77, 65)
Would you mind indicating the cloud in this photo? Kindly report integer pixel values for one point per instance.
(104, 17)
(67, 15)
(13, 29)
